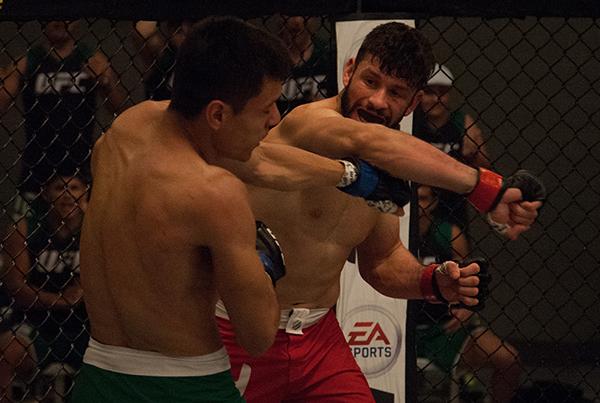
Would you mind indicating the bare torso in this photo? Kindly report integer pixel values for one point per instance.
(317, 230)
(146, 286)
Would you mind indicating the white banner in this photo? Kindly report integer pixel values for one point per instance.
(374, 325)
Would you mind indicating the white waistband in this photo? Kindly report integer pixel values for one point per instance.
(126, 360)
(295, 318)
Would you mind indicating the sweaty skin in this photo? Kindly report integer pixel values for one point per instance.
(152, 219)
(167, 229)
(317, 230)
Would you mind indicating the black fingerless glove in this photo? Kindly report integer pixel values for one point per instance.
(531, 186)
(485, 278)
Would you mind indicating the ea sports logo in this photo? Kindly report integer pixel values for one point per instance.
(374, 337)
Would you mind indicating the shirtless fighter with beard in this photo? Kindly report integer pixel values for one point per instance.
(318, 228)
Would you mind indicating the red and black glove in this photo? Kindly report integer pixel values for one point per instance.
(431, 291)
(429, 286)
(490, 188)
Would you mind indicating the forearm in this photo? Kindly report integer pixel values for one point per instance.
(397, 276)
(116, 95)
(28, 297)
(8, 91)
(410, 158)
(398, 153)
(5, 100)
(397, 282)
(149, 40)
(286, 168)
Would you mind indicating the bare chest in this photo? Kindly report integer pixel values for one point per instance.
(310, 220)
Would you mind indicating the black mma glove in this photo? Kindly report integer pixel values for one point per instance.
(269, 251)
(485, 278)
(490, 188)
(531, 186)
(381, 190)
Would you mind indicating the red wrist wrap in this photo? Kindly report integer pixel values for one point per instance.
(485, 192)
(427, 286)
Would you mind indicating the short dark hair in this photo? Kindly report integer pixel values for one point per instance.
(228, 59)
(401, 51)
(70, 170)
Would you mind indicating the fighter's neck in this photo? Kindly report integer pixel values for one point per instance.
(61, 50)
(197, 136)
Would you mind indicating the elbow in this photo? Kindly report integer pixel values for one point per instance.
(257, 174)
(379, 283)
(264, 174)
(258, 339)
(361, 140)
(257, 344)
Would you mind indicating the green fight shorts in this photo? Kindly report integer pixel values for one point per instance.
(441, 348)
(112, 374)
(96, 385)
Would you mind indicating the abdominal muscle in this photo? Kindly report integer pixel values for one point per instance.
(317, 230)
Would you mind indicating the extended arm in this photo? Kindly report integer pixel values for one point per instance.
(282, 167)
(323, 130)
(326, 132)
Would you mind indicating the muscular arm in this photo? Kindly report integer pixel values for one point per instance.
(110, 86)
(460, 243)
(386, 264)
(393, 271)
(325, 131)
(244, 287)
(12, 79)
(474, 150)
(150, 40)
(281, 167)
(18, 265)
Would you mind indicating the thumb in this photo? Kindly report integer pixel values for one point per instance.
(513, 231)
(512, 195)
(451, 269)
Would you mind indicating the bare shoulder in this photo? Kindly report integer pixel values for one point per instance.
(304, 118)
(210, 190)
(138, 114)
(324, 107)
(221, 185)
(216, 198)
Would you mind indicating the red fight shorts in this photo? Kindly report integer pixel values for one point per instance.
(316, 366)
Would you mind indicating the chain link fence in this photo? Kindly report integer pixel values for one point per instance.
(523, 92)
(531, 86)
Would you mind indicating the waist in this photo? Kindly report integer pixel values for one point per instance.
(130, 361)
(294, 318)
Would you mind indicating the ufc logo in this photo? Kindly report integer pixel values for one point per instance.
(61, 82)
(58, 262)
(372, 332)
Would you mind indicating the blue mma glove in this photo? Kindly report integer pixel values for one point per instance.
(269, 251)
(381, 190)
